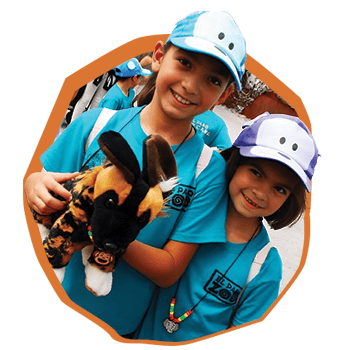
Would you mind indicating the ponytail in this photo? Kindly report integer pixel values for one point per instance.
(146, 95)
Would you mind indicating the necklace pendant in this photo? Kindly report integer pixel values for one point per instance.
(170, 325)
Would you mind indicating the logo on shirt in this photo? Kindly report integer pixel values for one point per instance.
(181, 197)
(200, 126)
(222, 288)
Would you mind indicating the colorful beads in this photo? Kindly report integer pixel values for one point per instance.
(90, 233)
(172, 310)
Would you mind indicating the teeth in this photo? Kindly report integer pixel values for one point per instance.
(255, 205)
(180, 99)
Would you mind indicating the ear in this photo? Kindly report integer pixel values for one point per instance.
(224, 95)
(158, 56)
(118, 151)
(158, 160)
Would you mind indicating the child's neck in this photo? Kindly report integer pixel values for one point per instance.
(174, 131)
(239, 229)
(124, 87)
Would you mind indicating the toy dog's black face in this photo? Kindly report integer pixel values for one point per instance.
(121, 209)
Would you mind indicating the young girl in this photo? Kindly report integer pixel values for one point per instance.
(191, 73)
(269, 166)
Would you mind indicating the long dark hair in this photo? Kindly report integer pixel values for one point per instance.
(292, 209)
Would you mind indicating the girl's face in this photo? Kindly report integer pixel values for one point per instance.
(260, 187)
(188, 83)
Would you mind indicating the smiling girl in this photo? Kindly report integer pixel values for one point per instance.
(192, 72)
(269, 167)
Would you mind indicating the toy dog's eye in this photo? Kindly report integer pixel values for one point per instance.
(110, 203)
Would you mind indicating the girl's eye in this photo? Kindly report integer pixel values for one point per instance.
(184, 62)
(255, 172)
(281, 190)
(215, 81)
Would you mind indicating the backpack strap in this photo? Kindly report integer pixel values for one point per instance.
(204, 159)
(258, 261)
(255, 267)
(101, 121)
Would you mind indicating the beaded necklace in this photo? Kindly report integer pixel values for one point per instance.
(172, 323)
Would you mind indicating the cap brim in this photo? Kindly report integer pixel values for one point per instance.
(146, 72)
(207, 47)
(268, 153)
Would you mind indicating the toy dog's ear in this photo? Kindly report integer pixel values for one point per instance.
(159, 162)
(118, 151)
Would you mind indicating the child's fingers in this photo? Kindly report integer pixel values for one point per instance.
(63, 177)
(52, 204)
(57, 188)
(40, 207)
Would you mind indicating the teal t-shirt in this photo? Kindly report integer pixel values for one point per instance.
(196, 213)
(205, 277)
(212, 128)
(115, 99)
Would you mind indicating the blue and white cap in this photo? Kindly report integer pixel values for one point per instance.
(283, 138)
(215, 34)
(131, 68)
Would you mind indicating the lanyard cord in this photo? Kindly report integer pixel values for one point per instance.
(94, 154)
(223, 276)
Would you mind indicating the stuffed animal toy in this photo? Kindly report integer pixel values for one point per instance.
(110, 204)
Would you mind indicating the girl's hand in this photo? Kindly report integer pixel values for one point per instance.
(38, 187)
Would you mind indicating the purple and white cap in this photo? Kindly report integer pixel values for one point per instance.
(283, 138)
(216, 34)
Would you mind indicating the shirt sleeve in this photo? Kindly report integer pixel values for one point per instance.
(222, 139)
(67, 152)
(262, 291)
(204, 219)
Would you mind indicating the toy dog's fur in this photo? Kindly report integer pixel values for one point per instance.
(110, 204)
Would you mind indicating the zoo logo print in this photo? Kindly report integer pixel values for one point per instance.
(222, 288)
(181, 197)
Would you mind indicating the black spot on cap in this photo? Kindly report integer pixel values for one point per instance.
(221, 35)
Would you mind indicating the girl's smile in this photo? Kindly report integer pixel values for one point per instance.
(250, 203)
(181, 99)
(188, 83)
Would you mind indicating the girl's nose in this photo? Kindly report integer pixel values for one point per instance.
(261, 192)
(191, 84)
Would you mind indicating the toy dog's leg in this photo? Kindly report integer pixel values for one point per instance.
(44, 231)
(99, 272)
(60, 273)
(66, 237)
(97, 282)
(86, 253)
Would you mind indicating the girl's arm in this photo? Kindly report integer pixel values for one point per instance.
(162, 266)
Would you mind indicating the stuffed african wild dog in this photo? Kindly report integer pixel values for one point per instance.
(110, 204)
